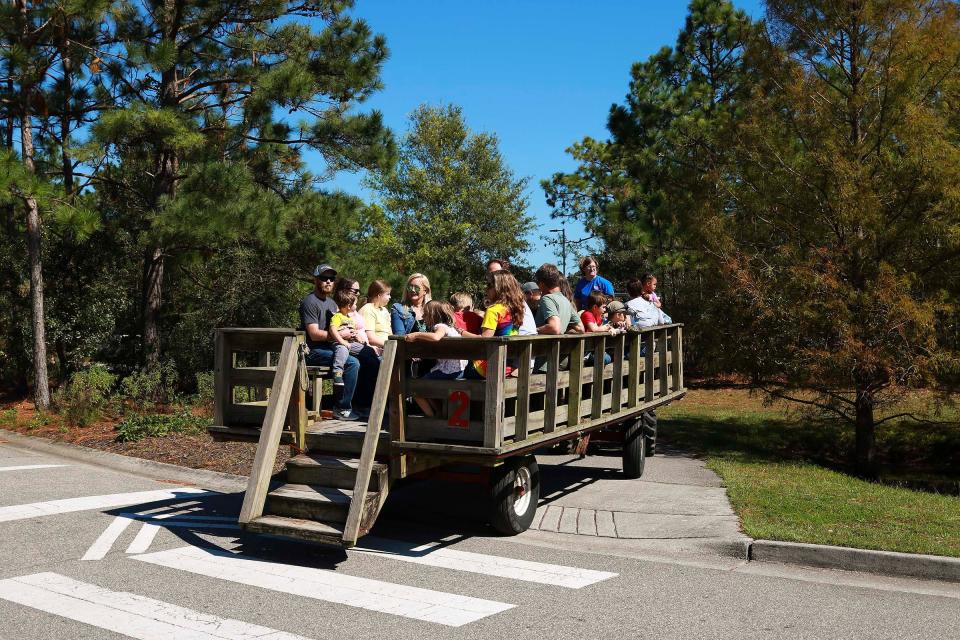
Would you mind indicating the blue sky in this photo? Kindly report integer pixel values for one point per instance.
(540, 75)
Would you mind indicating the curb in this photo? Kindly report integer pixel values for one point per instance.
(887, 563)
(215, 480)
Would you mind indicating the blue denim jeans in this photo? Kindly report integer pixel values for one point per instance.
(323, 356)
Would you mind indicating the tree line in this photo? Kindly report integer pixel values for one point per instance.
(165, 169)
(794, 181)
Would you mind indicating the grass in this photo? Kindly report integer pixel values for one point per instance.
(788, 478)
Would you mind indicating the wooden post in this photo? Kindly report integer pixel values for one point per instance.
(351, 530)
(550, 397)
(596, 399)
(223, 391)
(493, 398)
(398, 407)
(263, 360)
(648, 372)
(633, 372)
(575, 385)
(523, 392)
(664, 367)
(616, 386)
(259, 482)
(297, 410)
(677, 353)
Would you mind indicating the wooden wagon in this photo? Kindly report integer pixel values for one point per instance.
(558, 388)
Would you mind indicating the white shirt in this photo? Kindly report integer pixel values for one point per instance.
(529, 325)
(644, 313)
(449, 366)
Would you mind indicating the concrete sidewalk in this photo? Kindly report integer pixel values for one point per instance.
(678, 504)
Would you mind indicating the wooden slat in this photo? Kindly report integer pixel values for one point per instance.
(245, 413)
(663, 369)
(676, 354)
(493, 399)
(442, 388)
(523, 390)
(633, 371)
(381, 396)
(550, 397)
(253, 376)
(596, 397)
(648, 371)
(222, 391)
(575, 384)
(256, 494)
(262, 340)
(422, 429)
(617, 385)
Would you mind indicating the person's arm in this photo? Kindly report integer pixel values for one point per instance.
(427, 336)
(397, 325)
(591, 325)
(551, 328)
(575, 325)
(607, 287)
(316, 333)
(335, 333)
(310, 319)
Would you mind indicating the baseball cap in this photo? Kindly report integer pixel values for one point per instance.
(529, 287)
(322, 269)
(615, 306)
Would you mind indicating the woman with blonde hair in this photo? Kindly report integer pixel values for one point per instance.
(406, 316)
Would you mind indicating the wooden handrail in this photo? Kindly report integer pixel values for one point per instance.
(259, 482)
(351, 530)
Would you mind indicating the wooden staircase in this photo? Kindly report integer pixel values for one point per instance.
(334, 491)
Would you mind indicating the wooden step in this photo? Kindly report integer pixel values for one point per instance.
(222, 433)
(342, 437)
(312, 502)
(332, 471)
(297, 528)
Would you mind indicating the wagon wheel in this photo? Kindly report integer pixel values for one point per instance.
(650, 430)
(514, 493)
(634, 449)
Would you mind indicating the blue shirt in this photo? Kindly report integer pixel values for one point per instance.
(584, 287)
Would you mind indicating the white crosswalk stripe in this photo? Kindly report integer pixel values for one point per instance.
(128, 614)
(88, 503)
(330, 586)
(553, 574)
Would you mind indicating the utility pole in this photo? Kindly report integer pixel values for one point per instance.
(563, 246)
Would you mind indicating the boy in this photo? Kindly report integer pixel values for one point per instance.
(464, 317)
(344, 299)
(617, 315)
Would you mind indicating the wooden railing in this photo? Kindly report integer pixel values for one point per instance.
(559, 395)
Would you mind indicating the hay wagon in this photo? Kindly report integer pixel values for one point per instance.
(335, 485)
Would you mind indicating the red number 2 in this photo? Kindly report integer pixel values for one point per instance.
(459, 412)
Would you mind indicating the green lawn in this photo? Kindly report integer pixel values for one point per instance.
(786, 480)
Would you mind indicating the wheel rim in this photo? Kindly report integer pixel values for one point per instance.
(521, 491)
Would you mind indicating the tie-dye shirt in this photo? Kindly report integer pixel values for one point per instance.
(498, 318)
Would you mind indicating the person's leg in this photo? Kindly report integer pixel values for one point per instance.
(340, 354)
(369, 365)
(350, 370)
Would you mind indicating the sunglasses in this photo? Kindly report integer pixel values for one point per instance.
(326, 278)
(356, 291)
(413, 288)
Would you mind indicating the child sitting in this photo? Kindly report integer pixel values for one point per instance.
(617, 315)
(503, 317)
(344, 345)
(650, 290)
(464, 317)
(438, 316)
(592, 316)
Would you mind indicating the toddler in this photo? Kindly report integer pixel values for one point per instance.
(439, 318)
(464, 317)
(344, 345)
(650, 289)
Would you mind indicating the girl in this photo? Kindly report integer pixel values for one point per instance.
(503, 317)
(438, 316)
(376, 316)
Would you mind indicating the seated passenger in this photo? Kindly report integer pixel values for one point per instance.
(643, 313)
(406, 316)
(503, 317)
(463, 315)
(376, 316)
(617, 315)
(439, 318)
(593, 316)
(555, 313)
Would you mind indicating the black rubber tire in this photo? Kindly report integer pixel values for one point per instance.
(503, 516)
(650, 431)
(634, 449)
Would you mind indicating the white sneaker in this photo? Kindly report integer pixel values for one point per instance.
(344, 414)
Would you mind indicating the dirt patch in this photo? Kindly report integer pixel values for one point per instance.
(194, 451)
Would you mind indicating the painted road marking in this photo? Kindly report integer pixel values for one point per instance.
(87, 503)
(25, 467)
(125, 613)
(144, 538)
(553, 574)
(321, 584)
(102, 544)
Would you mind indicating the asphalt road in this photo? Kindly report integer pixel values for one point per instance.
(90, 553)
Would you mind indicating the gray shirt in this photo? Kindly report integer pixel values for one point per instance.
(556, 304)
(316, 310)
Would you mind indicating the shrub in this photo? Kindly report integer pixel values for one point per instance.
(82, 399)
(8, 418)
(138, 426)
(204, 395)
(149, 387)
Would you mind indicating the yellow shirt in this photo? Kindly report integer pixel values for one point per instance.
(376, 319)
(338, 320)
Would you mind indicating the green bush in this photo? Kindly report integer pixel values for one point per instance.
(85, 395)
(135, 427)
(150, 387)
(204, 395)
(8, 418)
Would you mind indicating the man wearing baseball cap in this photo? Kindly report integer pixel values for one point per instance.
(315, 312)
